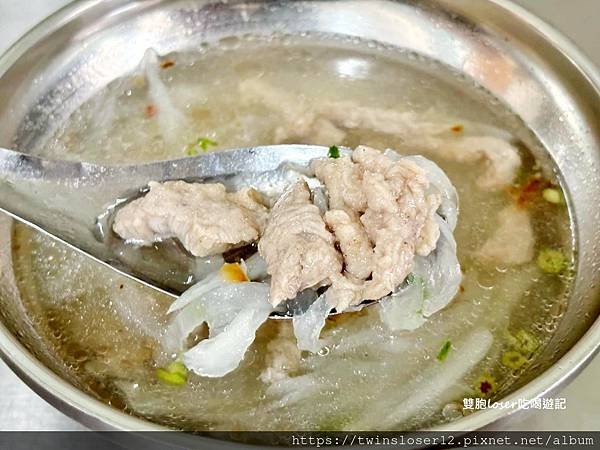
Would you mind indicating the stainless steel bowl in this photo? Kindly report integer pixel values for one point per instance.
(545, 81)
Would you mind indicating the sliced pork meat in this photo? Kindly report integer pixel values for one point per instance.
(513, 241)
(204, 217)
(353, 242)
(298, 121)
(349, 115)
(499, 157)
(393, 222)
(329, 122)
(343, 180)
(381, 216)
(299, 250)
(283, 356)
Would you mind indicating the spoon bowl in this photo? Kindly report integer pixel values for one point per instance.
(74, 202)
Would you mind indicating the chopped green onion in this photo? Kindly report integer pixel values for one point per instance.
(205, 142)
(551, 261)
(513, 359)
(174, 374)
(178, 367)
(202, 143)
(443, 353)
(191, 150)
(334, 423)
(173, 379)
(524, 343)
(334, 152)
(410, 279)
(553, 195)
(426, 290)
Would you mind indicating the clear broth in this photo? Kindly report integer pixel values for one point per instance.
(104, 327)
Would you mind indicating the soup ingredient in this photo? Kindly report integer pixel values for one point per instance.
(438, 182)
(205, 142)
(403, 310)
(179, 209)
(434, 386)
(353, 241)
(308, 326)
(361, 360)
(443, 353)
(522, 346)
(394, 224)
(389, 221)
(167, 114)
(434, 282)
(201, 144)
(166, 63)
(298, 248)
(436, 274)
(421, 133)
(513, 359)
(499, 157)
(233, 313)
(486, 385)
(296, 121)
(440, 271)
(282, 358)
(150, 110)
(524, 342)
(175, 374)
(343, 181)
(228, 273)
(551, 261)
(502, 247)
(553, 195)
(334, 152)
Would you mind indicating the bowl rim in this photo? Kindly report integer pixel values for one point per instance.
(565, 370)
(97, 415)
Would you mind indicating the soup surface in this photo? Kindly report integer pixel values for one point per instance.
(106, 328)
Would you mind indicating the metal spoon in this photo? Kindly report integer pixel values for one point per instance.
(72, 201)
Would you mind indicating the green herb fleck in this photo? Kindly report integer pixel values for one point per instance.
(191, 150)
(201, 144)
(524, 343)
(334, 152)
(551, 261)
(443, 353)
(205, 142)
(179, 368)
(426, 291)
(513, 359)
(553, 195)
(410, 279)
(335, 422)
(174, 374)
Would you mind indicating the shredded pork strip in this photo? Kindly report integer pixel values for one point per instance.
(204, 217)
(380, 217)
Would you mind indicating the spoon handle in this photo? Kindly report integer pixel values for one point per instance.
(65, 199)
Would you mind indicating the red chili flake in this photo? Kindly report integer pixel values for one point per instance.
(457, 128)
(485, 387)
(486, 384)
(529, 191)
(167, 63)
(150, 110)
